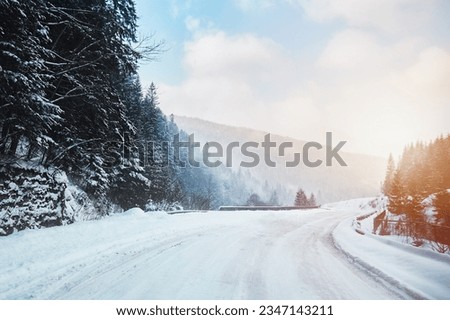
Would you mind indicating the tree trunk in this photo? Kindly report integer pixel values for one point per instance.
(14, 143)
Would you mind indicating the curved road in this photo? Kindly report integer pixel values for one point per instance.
(235, 255)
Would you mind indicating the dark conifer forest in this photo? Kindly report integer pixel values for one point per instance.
(76, 132)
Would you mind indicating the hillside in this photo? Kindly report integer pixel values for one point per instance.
(360, 178)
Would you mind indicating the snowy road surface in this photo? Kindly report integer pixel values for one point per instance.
(217, 255)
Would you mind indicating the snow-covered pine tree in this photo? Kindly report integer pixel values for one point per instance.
(274, 201)
(441, 203)
(312, 200)
(27, 115)
(255, 200)
(390, 171)
(301, 200)
(154, 133)
(92, 57)
(397, 195)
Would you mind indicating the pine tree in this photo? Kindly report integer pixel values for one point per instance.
(390, 171)
(414, 209)
(255, 200)
(300, 199)
(26, 113)
(397, 196)
(274, 201)
(442, 206)
(154, 132)
(312, 200)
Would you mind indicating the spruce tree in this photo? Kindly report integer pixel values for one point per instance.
(390, 171)
(312, 200)
(274, 201)
(27, 114)
(397, 196)
(441, 203)
(300, 199)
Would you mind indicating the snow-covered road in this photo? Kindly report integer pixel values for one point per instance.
(216, 255)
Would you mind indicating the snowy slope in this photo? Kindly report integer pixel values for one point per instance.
(420, 272)
(215, 255)
(360, 178)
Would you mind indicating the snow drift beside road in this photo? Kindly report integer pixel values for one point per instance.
(422, 273)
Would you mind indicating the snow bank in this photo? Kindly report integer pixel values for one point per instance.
(362, 205)
(423, 273)
(131, 212)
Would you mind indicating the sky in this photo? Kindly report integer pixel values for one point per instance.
(376, 73)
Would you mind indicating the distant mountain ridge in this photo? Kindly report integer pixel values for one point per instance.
(361, 178)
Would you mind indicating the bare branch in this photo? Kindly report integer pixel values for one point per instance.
(69, 148)
(148, 49)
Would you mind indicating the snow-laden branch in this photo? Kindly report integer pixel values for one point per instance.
(61, 154)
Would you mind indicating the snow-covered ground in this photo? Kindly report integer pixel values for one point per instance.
(213, 255)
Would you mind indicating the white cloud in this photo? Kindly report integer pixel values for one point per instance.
(219, 55)
(353, 49)
(391, 95)
(244, 80)
(428, 79)
(387, 15)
